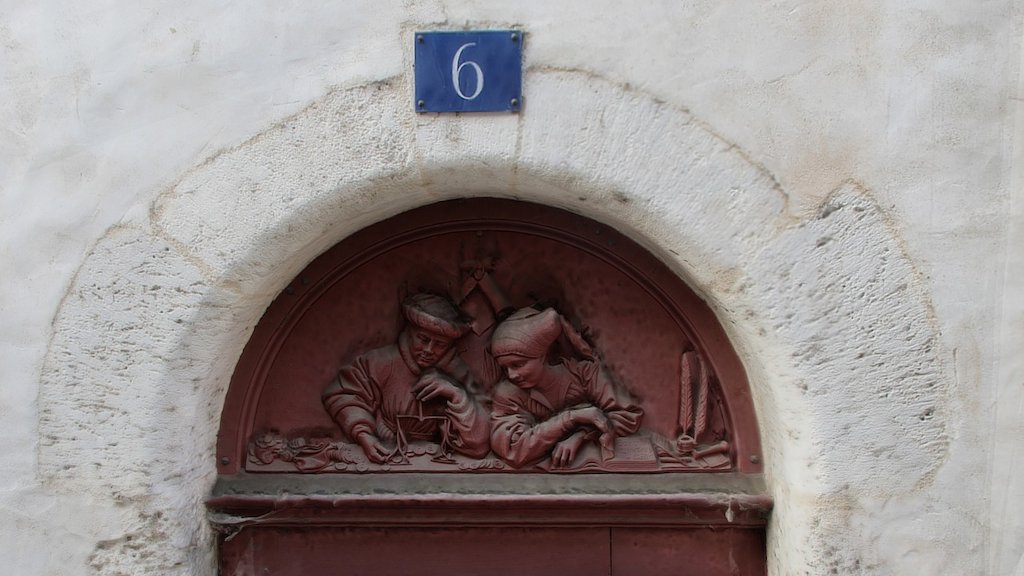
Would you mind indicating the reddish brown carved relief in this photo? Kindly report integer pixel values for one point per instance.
(551, 407)
(488, 336)
(523, 343)
(417, 391)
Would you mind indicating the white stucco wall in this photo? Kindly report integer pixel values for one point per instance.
(841, 180)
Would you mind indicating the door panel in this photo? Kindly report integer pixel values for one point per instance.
(523, 551)
(417, 552)
(699, 552)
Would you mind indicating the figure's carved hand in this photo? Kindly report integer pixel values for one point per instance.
(565, 451)
(591, 416)
(619, 422)
(374, 449)
(607, 443)
(433, 385)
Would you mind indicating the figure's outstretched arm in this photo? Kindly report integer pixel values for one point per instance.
(623, 413)
(519, 439)
(352, 399)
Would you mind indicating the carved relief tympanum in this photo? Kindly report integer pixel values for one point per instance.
(416, 402)
(490, 344)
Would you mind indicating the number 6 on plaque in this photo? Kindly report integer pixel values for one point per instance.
(457, 73)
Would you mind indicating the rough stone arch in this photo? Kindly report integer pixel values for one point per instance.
(147, 337)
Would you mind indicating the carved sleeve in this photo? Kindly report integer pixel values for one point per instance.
(468, 427)
(516, 436)
(468, 420)
(353, 398)
(622, 411)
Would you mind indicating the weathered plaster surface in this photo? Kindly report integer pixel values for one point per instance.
(1007, 525)
(161, 306)
(834, 179)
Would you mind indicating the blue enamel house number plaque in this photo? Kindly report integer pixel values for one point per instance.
(473, 71)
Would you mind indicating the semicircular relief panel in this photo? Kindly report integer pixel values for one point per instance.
(488, 336)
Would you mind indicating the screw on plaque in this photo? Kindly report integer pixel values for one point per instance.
(514, 102)
(421, 104)
(515, 37)
(419, 38)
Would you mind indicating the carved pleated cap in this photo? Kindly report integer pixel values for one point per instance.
(527, 332)
(434, 314)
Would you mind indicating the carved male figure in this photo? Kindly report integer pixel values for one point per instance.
(418, 385)
(552, 405)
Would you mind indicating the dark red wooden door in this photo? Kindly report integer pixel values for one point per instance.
(490, 551)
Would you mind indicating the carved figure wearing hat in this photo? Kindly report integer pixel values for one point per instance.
(552, 406)
(420, 375)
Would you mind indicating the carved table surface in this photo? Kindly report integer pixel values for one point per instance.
(726, 499)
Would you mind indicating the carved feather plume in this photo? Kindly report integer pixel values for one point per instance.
(689, 374)
(703, 389)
